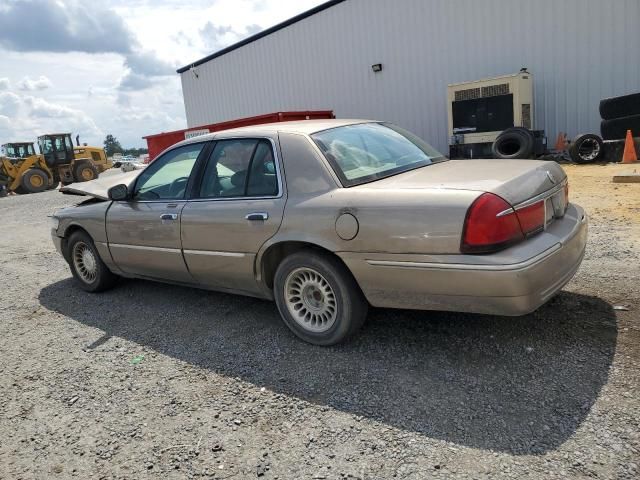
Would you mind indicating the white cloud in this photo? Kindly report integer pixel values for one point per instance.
(5, 84)
(9, 104)
(28, 84)
(134, 81)
(5, 124)
(60, 117)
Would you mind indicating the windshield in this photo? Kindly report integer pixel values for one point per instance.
(45, 145)
(369, 151)
(19, 150)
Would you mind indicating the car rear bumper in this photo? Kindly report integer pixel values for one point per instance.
(513, 282)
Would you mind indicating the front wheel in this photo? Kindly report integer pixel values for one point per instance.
(34, 180)
(86, 265)
(318, 298)
(84, 172)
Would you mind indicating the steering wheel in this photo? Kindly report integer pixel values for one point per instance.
(177, 187)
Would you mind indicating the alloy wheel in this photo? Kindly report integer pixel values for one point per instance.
(310, 300)
(85, 262)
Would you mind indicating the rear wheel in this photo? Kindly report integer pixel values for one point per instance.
(34, 180)
(318, 298)
(84, 172)
(86, 265)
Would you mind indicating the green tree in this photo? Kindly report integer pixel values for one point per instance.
(112, 145)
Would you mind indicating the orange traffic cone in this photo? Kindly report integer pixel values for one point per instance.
(561, 142)
(629, 155)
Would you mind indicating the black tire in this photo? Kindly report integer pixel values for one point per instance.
(104, 278)
(84, 172)
(617, 129)
(350, 305)
(513, 143)
(623, 106)
(117, 165)
(586, 148)
(34, 180)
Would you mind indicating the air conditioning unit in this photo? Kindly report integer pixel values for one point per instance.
(479, 111)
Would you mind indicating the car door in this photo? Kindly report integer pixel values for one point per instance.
(237, 207)
(144, 232)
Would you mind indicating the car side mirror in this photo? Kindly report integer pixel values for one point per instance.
(118, 193)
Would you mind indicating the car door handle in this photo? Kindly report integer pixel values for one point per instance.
(257, 217)
(168, 216)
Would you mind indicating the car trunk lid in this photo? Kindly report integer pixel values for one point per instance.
(517, 181)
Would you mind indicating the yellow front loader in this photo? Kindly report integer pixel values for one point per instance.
(24, 171)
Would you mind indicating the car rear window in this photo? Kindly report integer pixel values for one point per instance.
(366, 152)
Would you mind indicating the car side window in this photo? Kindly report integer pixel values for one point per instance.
(240, 168)
(263, 181)
(166, 178)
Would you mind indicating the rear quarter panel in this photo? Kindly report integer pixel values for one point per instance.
(424, 221)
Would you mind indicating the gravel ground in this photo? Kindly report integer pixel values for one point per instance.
(157, 381)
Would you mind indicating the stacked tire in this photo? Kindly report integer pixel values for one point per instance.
(620, 114)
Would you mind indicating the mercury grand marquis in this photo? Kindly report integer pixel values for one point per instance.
(328, 217)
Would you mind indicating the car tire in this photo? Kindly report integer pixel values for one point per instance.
(84, 172)
(87, 267)
(586, 148)
(616, 129)
(623, 106)
(513, 143)
(34, 180)
(318, 298)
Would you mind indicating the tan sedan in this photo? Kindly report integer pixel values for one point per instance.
(328, 217)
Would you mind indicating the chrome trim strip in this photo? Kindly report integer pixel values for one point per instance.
(141, 247)
(506, 212)
(543, 196)
(465, 266)
(215, 254)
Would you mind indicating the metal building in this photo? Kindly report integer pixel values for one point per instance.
(579, 51)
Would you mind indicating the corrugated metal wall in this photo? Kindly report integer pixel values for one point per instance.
(579, 51)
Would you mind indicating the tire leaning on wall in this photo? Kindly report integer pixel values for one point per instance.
(586, 148)
(513, 143)
(616, 129)
(617, 107)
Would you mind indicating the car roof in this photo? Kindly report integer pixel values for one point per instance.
(305, 127)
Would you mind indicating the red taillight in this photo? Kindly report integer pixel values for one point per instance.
(531, 218)
(491, 224)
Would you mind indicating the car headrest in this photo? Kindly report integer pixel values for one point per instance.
(238, 178)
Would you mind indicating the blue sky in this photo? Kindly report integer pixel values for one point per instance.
(95, 68)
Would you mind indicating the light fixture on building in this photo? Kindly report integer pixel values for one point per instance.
(376, 68)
